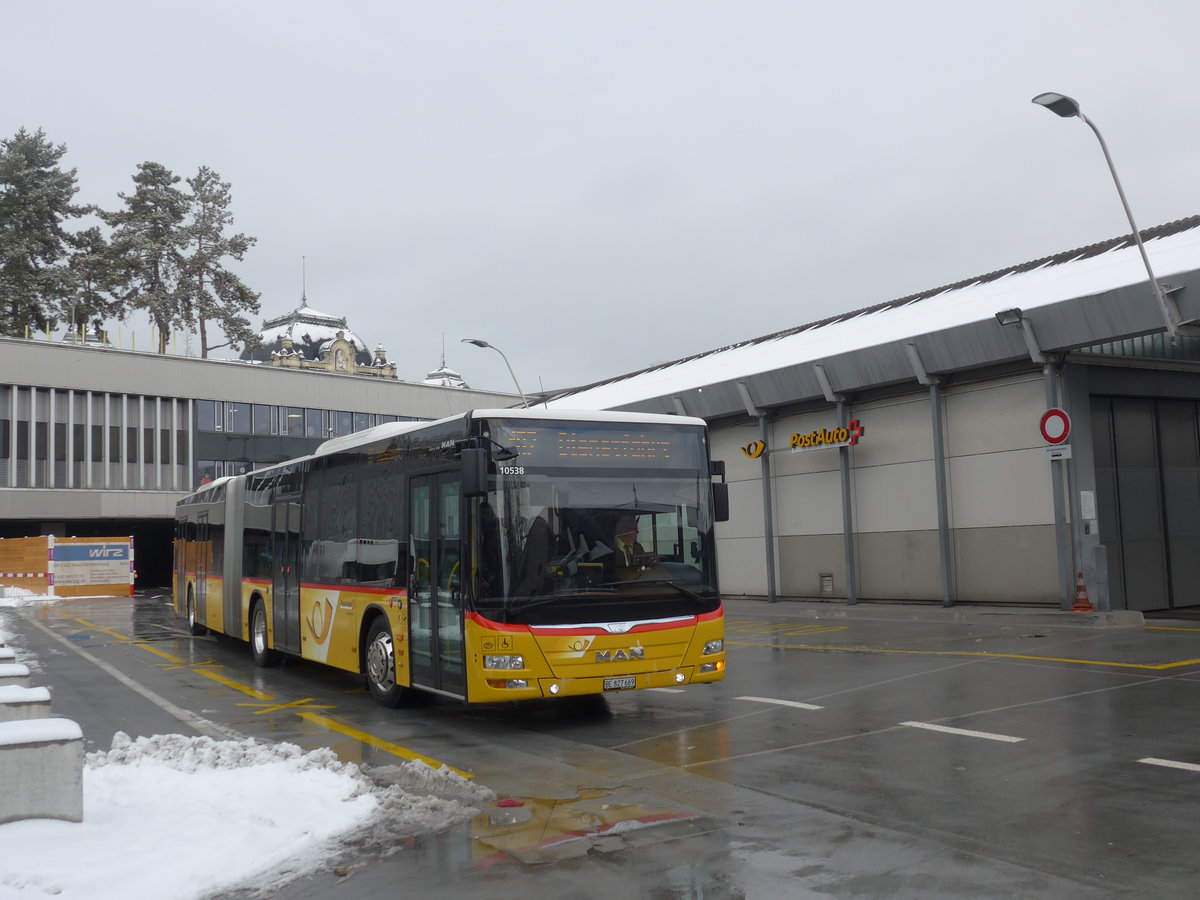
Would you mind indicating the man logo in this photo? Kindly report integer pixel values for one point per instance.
(754, 449)
(620, 655)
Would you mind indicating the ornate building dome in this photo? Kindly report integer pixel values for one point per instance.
(310, 331)
(444, 376)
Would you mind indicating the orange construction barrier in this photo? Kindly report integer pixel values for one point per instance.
(1082, 603)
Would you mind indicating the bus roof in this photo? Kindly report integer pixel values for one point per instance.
(391, 429)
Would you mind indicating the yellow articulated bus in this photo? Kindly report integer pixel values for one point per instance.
(497, 555)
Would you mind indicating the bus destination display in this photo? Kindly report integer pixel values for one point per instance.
(550, 445)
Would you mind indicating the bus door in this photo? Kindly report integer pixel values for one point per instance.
(203, 558)
(435, 620)
(285, 587)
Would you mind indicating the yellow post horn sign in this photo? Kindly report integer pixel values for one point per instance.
(755, 449)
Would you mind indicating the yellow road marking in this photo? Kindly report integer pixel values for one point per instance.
(363, 737)
(275, 707)
(979, 654)
(163, 655)
(120, 637)
(180, 664)
(230, 683)
(1166, 628)
(789, 629)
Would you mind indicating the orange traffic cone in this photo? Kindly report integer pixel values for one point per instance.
(1082, 603)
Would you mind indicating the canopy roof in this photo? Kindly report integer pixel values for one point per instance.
(1072, 300)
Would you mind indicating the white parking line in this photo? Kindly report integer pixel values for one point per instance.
(1170, 764)
(987, 735)
(667, 690)
(794, 703)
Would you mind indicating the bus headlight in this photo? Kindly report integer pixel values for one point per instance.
(504, 662)
(712, 647)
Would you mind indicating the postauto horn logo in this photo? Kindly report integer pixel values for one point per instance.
(755, 449)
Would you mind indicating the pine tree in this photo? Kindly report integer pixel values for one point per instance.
(147, 249)
(94, 295)
(35, 201)
(213, 293)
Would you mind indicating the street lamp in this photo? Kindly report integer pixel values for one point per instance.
(478, 343)
(1062, 105)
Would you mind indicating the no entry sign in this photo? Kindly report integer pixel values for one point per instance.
(1055, 426)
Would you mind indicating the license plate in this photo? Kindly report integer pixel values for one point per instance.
(625, 683)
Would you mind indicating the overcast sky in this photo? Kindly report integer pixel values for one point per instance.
(597, 186)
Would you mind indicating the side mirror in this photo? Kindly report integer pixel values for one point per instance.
(716, 467)
(720, 501)
(473, 462)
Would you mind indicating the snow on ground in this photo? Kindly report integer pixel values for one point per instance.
(178, 818)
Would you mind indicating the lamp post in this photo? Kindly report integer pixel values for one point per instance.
(478, 343)
(1062, 105)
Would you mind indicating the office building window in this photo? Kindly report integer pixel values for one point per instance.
(210, 415)
(237, 417)
(266, 419)
(293, 421)
(314, 426)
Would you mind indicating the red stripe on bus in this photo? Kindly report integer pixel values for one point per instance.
(352, 589)
(681, 622)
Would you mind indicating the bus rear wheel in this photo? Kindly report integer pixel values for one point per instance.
(264, 656)
(194, 627)
(381, 666)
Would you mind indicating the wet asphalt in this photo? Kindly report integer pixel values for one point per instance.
(882, 750)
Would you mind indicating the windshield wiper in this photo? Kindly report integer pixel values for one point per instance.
(686, 591)
(530, 603)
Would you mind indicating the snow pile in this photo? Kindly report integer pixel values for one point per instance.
(177, 817)
(14, 597)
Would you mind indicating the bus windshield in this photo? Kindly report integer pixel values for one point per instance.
(566, 536)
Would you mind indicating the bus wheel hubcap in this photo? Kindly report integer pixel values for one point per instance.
(379, 662)
(260, 632)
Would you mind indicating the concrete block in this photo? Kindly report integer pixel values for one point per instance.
(7, 654)
(24, 703)
(41, 770)
(14, 673)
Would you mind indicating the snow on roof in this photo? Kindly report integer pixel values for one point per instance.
(444, 376)
(315, 335)
(308, 327)
(1173, 248)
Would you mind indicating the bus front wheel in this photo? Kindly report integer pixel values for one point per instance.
(264, 656)
(381, 665)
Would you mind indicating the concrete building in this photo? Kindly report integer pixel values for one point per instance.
(97, 441)
(908, 450)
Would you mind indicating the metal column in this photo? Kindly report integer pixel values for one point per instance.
(939, 478)
(847, 511)
(1062, 536)
(768, 508)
